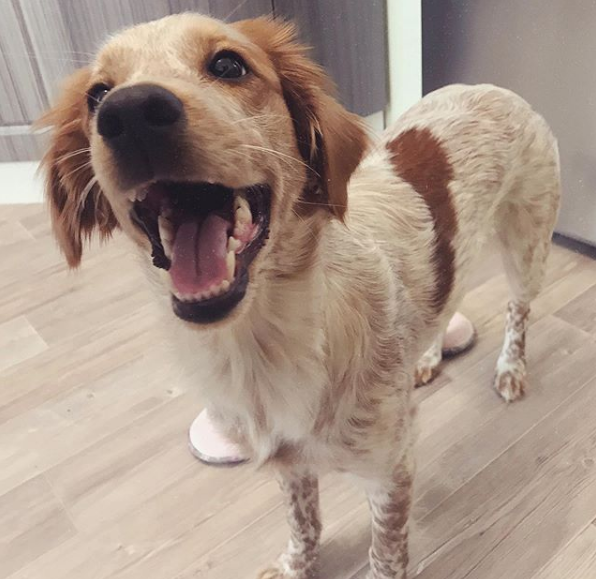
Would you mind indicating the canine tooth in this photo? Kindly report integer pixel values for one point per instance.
(242, 209)
(231, 264)
(141, 195)
(166, 231)
(234, 244)
(225, 285)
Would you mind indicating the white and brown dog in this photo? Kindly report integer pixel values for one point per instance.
(308, 268)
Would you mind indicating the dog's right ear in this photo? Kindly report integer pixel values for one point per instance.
(331, 140)
(77, 204)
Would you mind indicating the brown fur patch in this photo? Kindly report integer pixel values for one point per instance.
(330, 139)
(77, 205)
(420, 159)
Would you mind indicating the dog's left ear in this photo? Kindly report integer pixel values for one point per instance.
(77, 205)
(331, 140)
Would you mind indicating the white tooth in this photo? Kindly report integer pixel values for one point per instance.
(214, 290)
(225, 285)
(243, 214)
(231, 264)
(233, 243)
(166, 233)
(141, 194)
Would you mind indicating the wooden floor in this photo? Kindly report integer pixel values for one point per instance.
(96, 481)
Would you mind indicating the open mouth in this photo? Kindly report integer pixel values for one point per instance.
(206, 235)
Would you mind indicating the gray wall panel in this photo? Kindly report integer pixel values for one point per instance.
(542, 49)
(231, 10)
(91, 21)
(200, 6)
(42, 41)
(51, 45)
(21, 147)
(21, 96)
(350, 41)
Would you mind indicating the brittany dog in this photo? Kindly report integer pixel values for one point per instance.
(308, 270)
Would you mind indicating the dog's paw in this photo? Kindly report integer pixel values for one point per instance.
(372, 575)
(272, 573)
(276, 572)
(510, 385)
(426, 372)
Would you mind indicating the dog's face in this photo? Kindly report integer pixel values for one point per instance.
(206, 143)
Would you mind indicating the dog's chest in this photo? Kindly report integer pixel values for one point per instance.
(268, 390)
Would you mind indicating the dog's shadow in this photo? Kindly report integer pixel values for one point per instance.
(344, 555)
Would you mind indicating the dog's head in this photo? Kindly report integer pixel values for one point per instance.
(207, 143)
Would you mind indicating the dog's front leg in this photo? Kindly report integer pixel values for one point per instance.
(390, 503)
(301, 494)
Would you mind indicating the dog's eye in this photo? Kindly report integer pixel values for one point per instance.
(227, 64)
(96, 94)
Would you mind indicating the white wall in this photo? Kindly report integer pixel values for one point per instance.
(19, 183)
(404, 21)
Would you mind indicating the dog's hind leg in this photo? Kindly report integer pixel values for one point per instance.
(524, 226)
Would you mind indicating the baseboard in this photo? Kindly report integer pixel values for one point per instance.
(19, 183)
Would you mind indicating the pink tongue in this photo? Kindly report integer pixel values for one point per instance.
(199, 254)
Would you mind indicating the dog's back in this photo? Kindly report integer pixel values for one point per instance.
(463, 162)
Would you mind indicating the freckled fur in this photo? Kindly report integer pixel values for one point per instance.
(366, 262)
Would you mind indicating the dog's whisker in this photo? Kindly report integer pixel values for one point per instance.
(343, 206)
(255, 117)
(85, 192)
(72, 154)
(281, 156)
(238, 7)
(81, 167)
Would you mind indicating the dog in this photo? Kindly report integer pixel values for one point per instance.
(309, 270)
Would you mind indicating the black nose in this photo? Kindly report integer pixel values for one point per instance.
(141, 124)
(143, 110)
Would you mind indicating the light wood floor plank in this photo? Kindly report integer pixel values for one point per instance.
(576, 561)
(96, 481)
(77, 361)
(12, 233)
(465, 426)
(32, 522)
(519, 508)
(19, 341)
(581, 311)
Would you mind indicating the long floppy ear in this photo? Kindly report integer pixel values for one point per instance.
(77, 205)
(331, 140)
